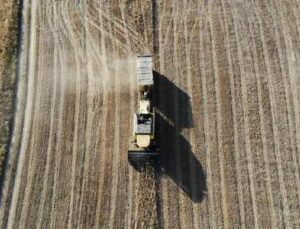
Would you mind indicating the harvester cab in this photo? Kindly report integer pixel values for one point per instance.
(143, 147)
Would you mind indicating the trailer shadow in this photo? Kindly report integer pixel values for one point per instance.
(173, 113)
(172, 102)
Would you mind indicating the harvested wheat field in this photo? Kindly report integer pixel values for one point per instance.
(228, 103)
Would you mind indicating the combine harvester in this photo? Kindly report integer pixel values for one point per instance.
(143, 147)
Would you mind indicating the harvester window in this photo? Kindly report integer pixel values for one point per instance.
(144, 124)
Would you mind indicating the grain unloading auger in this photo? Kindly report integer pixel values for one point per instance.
(142, 146)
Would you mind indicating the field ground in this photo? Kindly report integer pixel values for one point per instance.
(8, 45)
(228, 102)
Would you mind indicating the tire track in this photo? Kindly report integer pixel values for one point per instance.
(87, 76)
(164, 46)
(210, 127)
(27, 119)
(264, 36)
(189, 25)
(129, 187)
(219, 125)
(232, 42)
(206, 143)
(116, 150)
(293, 170)
(264, 218)
(79, 95)
(272, 216)
(75, 144)
(102, 147)
(40, 132)
(47, 194)
(109, 150)
(67, 105)
(184, 211)
(251, 117)
(294, 67)
(175, 216)
(52, 133)
(266, 125)
(19, 117)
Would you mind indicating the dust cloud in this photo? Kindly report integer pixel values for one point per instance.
(100, 75)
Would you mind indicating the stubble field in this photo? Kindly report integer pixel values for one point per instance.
(227, 99)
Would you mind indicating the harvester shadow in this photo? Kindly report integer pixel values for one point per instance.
(179, 163)
(174, 113)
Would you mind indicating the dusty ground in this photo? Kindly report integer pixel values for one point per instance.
(228, 99)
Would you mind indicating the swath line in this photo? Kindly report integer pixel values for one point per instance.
(218, 96)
